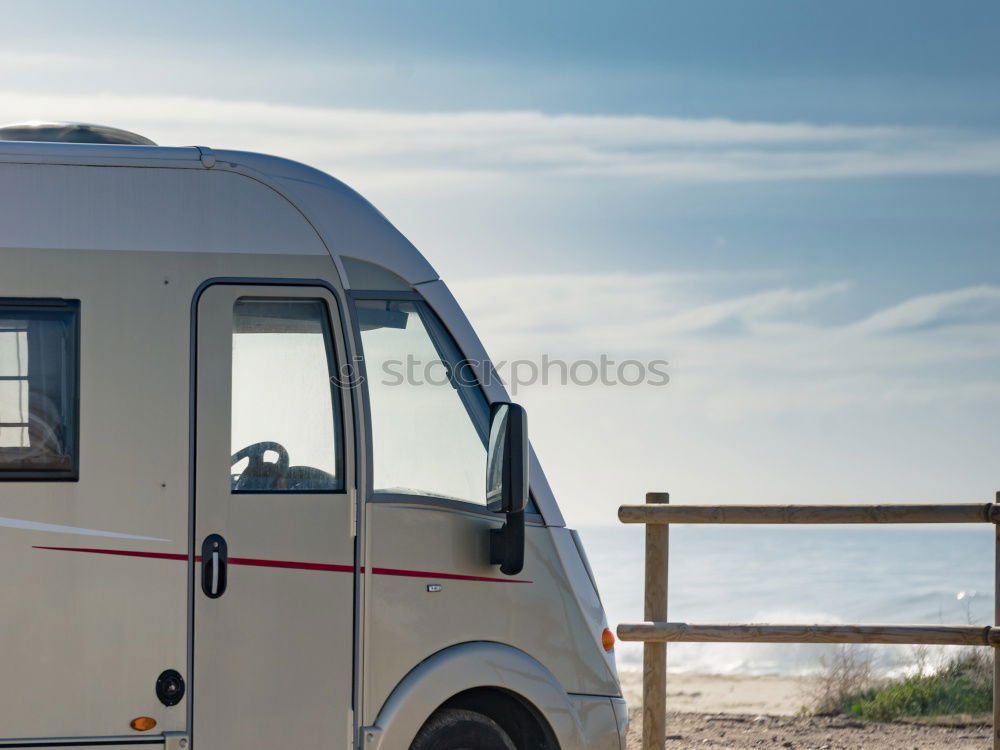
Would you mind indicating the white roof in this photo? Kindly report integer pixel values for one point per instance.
(253, 220)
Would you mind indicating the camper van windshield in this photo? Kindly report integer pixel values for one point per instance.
(38, 388)
(429, 416)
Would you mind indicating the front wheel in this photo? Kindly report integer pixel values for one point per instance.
(457, 729)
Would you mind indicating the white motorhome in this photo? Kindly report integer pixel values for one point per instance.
(230, 519)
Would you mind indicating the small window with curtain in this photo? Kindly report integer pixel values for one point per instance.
(39, 389)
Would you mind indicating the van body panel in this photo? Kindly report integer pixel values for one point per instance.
(88, 632)
(90, 743)
(584, 591)
(600, 721)
(535, 612)
(167, 210)
(351, 225)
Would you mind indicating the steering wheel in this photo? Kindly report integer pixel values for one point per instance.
(260, 474)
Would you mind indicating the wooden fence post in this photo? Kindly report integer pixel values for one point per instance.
(654, 655)
(996, 650)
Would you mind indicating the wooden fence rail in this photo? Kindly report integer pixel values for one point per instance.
(808, 514)
(657, 631)
(681, 632)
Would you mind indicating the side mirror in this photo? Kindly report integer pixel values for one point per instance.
(507, 459)
(507, 484)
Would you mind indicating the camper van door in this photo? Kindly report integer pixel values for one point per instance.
(273, 535)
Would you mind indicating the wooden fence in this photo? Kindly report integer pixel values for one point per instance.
(657, 631)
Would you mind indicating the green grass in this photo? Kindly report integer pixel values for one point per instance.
(964, 686)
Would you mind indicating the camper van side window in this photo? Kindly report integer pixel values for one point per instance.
(286, 412)
(429, 415)
(39, 389)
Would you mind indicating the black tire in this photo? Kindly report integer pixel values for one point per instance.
(457, 729)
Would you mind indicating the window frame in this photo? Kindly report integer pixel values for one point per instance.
(72, 308)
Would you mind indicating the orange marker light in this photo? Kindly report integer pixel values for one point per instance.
(143, 723)
(608, 639)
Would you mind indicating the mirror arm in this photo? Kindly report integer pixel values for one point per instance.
(507, 545)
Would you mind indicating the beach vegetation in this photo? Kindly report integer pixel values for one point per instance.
(961, 684)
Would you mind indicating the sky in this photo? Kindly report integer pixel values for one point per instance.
(794, 203)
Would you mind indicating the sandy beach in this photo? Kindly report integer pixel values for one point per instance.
(739, 711)
(774, 695)
(739, 731)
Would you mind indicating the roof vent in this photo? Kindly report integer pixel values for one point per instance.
(70, 132)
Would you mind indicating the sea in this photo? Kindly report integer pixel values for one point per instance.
(929, 575)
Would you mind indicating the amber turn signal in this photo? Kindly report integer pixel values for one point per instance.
(143, 723)
(608, 639)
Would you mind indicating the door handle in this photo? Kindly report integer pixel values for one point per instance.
(214, 565)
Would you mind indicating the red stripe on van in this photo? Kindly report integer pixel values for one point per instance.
(288, 564)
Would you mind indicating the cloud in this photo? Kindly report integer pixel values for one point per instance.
(748, 309)
(767, 349)
(396, 147)
(12, 60)
(630, 312)
(961, 306)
